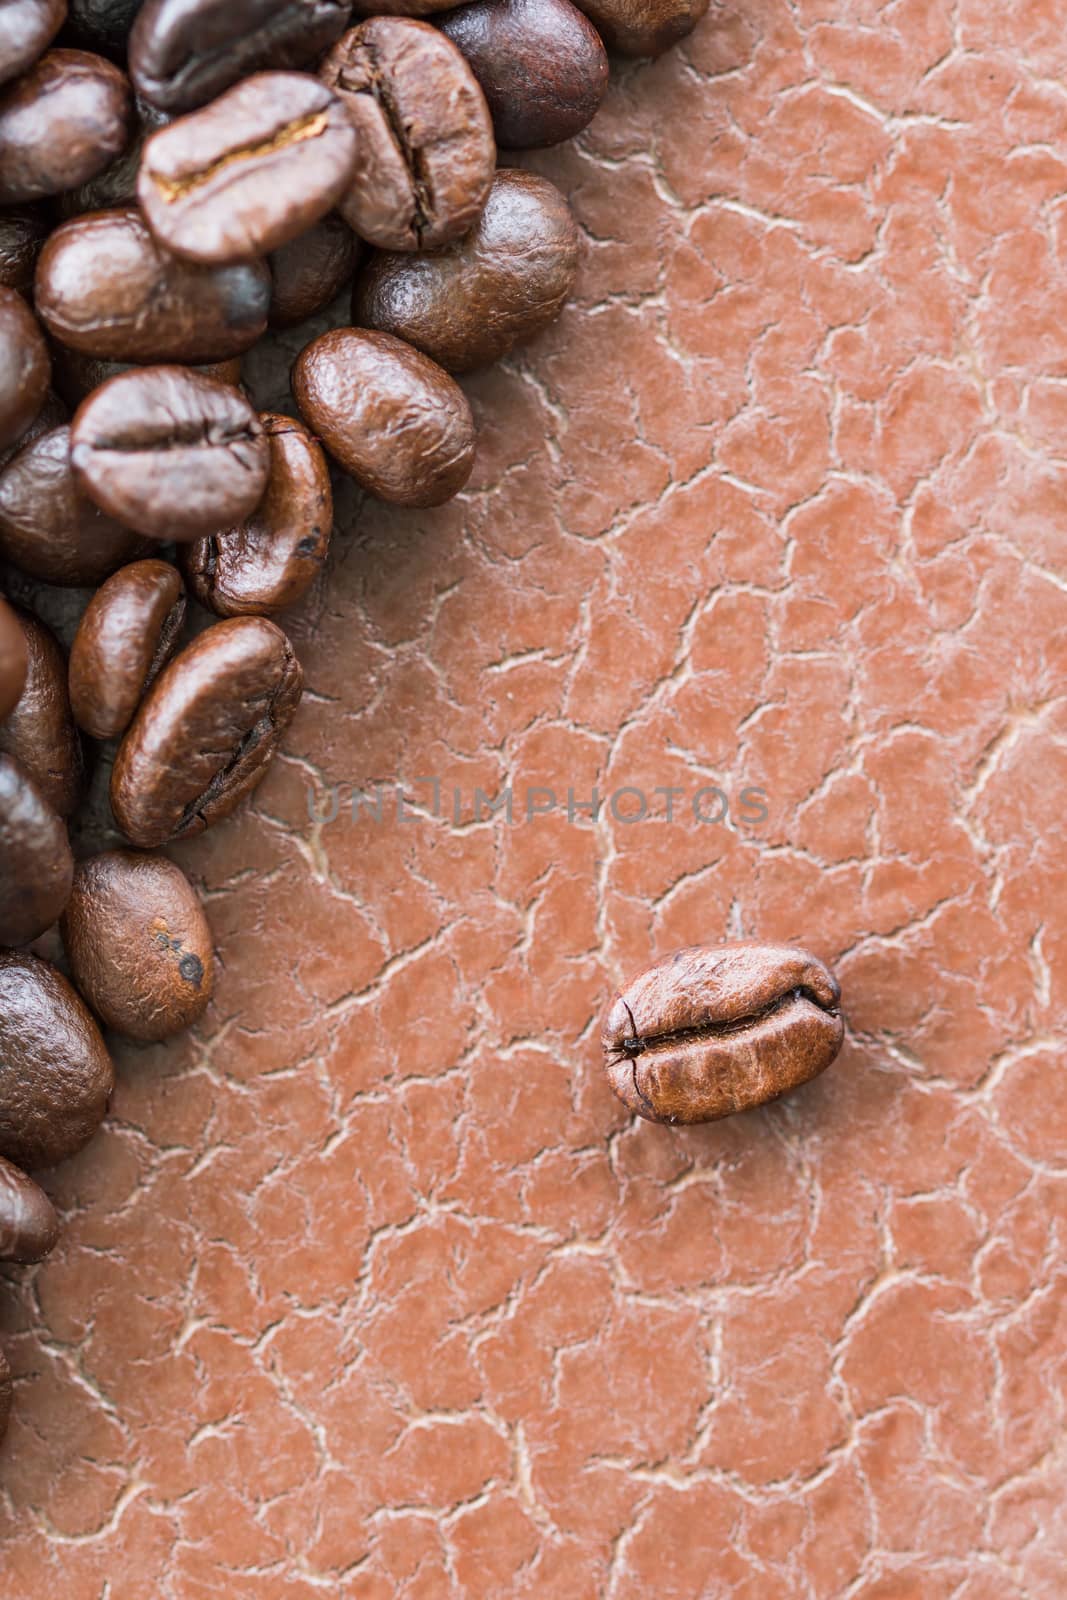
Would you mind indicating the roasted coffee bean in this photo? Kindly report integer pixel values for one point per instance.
(61, 124)
(709, 1031)
(271, 560)
(76, 375)
(14, 659)
(129, 631)
(183, 54)
(24, 367)
(139, 944)
(36, 866)
(116, 185)
(206, 732)
(310, 270)
(27, 28)
(250, 171)
(103, 24)
(23, 231)
(389, 416)
(170, 452)
(40, 732)
(506, 281)
(107, 288)
(541, 65)
(643, 27)
(29, 1226)
(55, 1073)
(51, 530)
(425, 153)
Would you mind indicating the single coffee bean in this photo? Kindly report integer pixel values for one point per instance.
(29, 1226)
(643, 27)
(541, 65)
(709, 1031)
(206, 731)
(23, 231)
(103, 24)
(24, 367)
(116, 185)
(129, 631)
(60, 124)
(183, 54)
(76, 375)
(40, 732)
(170, 452)
(27, 28)
(310, 270)
(55, 1073)
(271, 560)
(14, 659)
(469, 304)
(51, 530)
(36, 866)
(425, 141)
(393, 419)
(250, 171)
(139, 944)
(107, 288)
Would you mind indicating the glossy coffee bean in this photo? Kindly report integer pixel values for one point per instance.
(36, 866)
(25, 367)
(129, 631)
(712, 1030)
(394, 420)
(48, 528)
(271, 560)
(23, 231)
(309, 271)
(139, 944)
(39, 732)
(643, 27)
(61, 124)
(507, 280)
(29, 1226)
(425, 142)
(170, 452)
(27, 28)
(206, 732)
(186, 52)
(107, 288)
(248, 172)
(55, 1073)
(116, 185)
(76, 375)
(103, 24)
(541, 65)
(14, 659)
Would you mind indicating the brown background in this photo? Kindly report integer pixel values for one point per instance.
(370, 1290)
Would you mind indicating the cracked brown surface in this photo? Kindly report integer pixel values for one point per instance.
(371, 1289)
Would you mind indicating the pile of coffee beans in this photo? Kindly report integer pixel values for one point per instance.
(177, 178)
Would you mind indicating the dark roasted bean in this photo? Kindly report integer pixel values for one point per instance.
(51, 530)
(24, 367)
(13, 659)
(103, 24)
(469, 304)
(139, 944)
(107, 288)
(709, 1031)
(36, 866)
(271, 560)
(205, 733)
(129, 631)
(185, 52)
(27, 28)
(248, 172)
(425, 153)
(29, 1226)
(391, 417)
(61, 124)
(23, 230)
(310, 270)
(643, 27)
(40, 732)
(55, 1073)
(541, 65)
(170, 452)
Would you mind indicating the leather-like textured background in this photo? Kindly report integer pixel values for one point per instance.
(370, 1289)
